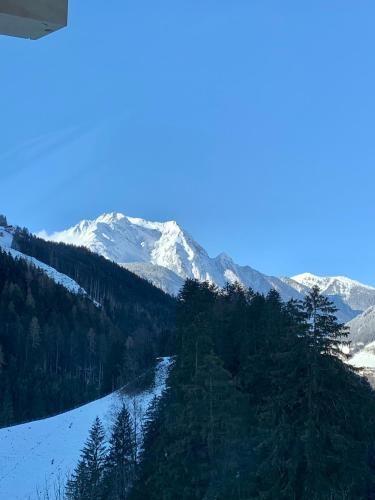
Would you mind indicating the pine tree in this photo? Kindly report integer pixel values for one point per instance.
(193, 439)
(87, 480)
(326, 335)
(6, 408)
(77, 484)
(121, 458)
(310, 442)
(329, 446)
(34, 333)
(2, 358)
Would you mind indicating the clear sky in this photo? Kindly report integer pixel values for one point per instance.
(250, 122)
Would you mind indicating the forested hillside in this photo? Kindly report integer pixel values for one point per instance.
(142, 311)
(260, 405)
(57, 349)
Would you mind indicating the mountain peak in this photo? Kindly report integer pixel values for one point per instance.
(148, 246)
(107, 218)
(309, 278)
(224, 258)
(355, 294)
(166, 254)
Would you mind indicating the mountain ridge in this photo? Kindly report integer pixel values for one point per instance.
(166, 254)
(131, 241)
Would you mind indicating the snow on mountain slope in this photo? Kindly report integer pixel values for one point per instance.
(344, 312)
(362, 329)
(165, 254)
(6, 239)
(36, 456)
(300, 287)
(159, 276)
(146, 247)
(365, 358)
(355, 294)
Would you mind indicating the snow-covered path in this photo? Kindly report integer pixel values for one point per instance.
(36, 456)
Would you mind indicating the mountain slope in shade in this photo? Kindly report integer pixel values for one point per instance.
(356, 295)
(150, 248)
(6, 241)
(159, 276)
(362, 328)
(36, 456)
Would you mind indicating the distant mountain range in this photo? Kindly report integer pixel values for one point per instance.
(353, 293)
(165, 254)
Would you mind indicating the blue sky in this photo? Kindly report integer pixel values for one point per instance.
(252, 123)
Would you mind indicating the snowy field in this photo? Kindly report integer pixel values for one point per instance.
(37, 457)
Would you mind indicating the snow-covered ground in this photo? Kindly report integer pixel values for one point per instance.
(39, 455)
(6, 239)
(365, 358)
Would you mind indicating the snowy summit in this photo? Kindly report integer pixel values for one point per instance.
(164, 253)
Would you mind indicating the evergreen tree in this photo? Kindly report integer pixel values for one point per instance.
(193, 439)
(325, 334)
(332, 452)
(87, 480)
(121, 458)
(77, 484)
(6, 409)
(2, 359)
(34, 333)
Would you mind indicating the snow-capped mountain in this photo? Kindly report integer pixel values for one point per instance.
(164, 253)
(345, 313)
(356, 295)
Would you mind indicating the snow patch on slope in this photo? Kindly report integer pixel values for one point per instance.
(6, 240)
(37, 455)
(364, 358)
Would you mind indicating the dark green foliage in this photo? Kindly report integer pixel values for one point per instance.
(142, 312)
(260, 406)
(47, 364)
(58, 350)
(3, 220)
(194, 440)
(106, 472)
(88, 478)
(121, 458)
